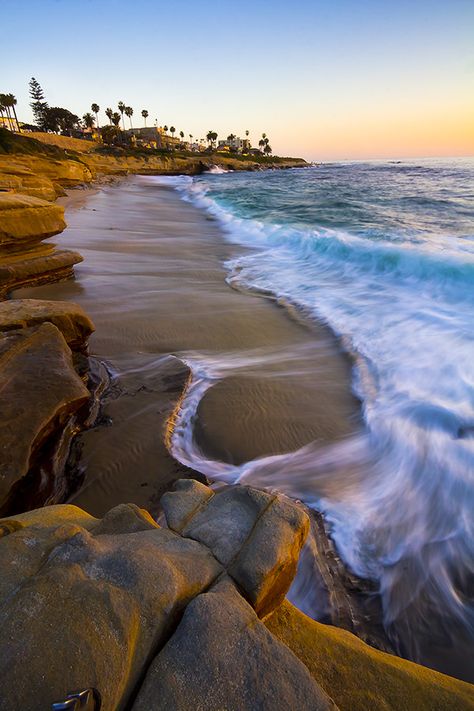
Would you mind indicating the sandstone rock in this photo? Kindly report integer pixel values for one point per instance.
(66, 172)
(39, 391)
(359, 677)
(125, 517)
(33, 269)
(93, 607)
(257, 536)
(38, 186)
(266, 565)
(69, 318)
(183, 503)
(10, 182)
(225, 523)
(26, 219)
(52, 517)
(99, 603)
(222, 657)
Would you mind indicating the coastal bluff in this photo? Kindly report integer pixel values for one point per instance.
(35, 171)
(188, 615)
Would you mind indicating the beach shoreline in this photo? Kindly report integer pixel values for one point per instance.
(154, 281)
(189, 245)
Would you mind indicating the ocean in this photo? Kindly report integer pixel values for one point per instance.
(383, 253)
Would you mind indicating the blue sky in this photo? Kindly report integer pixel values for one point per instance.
(326, 79)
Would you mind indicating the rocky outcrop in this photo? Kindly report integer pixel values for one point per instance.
(24, 259)
(93, 602)
(104, 598)
(162, 164)
(69, 318)
(359, 677)
(153, 620)
(40, 176)
(264, 535)
(222, 657)
(40, 392)
(21, 179)
(26, 220)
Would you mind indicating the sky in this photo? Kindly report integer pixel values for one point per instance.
(324, 79)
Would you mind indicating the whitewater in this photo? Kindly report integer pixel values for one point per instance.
(382, 252)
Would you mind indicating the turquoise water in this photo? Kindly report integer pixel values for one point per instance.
(383, 252)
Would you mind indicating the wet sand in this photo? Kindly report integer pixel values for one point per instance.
(153, 281)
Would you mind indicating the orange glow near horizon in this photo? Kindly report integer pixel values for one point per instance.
(411, 134)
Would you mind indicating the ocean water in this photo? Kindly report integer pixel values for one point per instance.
(383, 252)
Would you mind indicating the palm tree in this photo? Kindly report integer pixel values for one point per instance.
(267, 149)
(109, 113)
(115, 118)
(172, 130)
(165, 129)
(264, 135)
(88, 120)
(3, 107)
(181, 134)
(121, 108)
(95, 108)
(11, 102)
(261, 143)
(145, 115)
(129, 112)
(5, 101)
(211, 137)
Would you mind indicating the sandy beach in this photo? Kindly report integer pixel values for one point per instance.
(153, 281)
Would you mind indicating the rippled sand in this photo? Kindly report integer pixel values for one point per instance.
(153, 281)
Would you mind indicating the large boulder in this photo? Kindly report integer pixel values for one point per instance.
(359, 677)
(222, 657)
(257, 536)
(68, 317)
(93, 602)
(39, 393)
